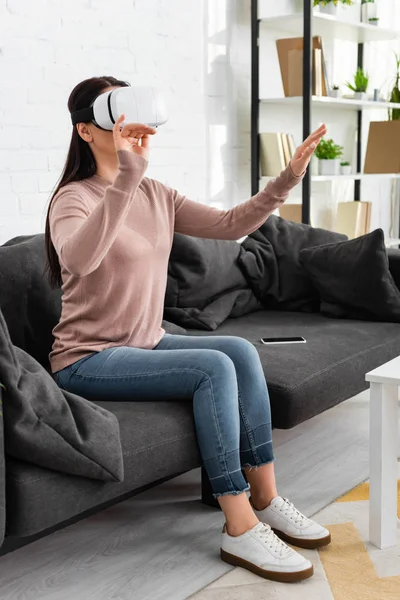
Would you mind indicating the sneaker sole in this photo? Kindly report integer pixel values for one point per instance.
(307, 544)
(283, 577)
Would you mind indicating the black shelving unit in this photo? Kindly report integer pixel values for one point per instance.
(307, 103)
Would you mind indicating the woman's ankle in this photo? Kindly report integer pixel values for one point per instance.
(239, 527)
(260, 503)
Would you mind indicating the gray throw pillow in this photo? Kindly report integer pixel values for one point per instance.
(353, 279)
(272, 264)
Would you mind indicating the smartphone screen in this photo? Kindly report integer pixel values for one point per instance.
(283, 340)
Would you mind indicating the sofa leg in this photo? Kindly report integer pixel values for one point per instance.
(206, 491)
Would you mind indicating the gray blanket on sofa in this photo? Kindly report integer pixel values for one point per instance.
(211, 280)
(51, 427)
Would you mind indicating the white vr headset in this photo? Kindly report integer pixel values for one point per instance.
(139, 105)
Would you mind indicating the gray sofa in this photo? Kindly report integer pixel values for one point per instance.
(158, 438)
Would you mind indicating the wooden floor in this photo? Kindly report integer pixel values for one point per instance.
(163, 544)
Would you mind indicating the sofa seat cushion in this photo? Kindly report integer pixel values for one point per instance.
(158, 440)
(307, 379)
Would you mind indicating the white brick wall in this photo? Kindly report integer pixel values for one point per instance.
(47, 46)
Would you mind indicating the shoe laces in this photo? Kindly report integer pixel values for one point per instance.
(289, 510)
(274, 543)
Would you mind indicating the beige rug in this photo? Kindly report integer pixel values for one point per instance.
(350, 568)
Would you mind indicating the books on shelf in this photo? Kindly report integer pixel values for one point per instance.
(292, 145)
(317, 72)
(383, 147)
(353, 218)
(286, 148)
(290, 54)
(276, 150)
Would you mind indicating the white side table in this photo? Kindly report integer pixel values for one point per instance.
(384, 382)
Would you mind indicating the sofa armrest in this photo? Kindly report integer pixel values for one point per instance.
(394, 264)
(2, 475)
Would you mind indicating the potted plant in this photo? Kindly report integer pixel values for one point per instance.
(335, 91)
(394, 113)
(345, 168)
(360, 84)
(330, 6)
(368, 10)
(328, 154)
(373, 21)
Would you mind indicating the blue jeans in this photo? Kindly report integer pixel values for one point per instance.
(221, 374)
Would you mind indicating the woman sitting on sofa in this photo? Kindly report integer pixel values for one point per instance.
(109, 233)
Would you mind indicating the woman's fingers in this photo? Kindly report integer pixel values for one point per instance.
(309, 145)
(318, 132)
(145, 141)
(117, 126)
(316, 135)
(137, 130)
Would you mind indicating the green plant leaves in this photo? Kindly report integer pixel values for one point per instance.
(361, 80)
(328, 150)
(335, 2)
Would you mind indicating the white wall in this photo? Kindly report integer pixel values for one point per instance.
(47, 46)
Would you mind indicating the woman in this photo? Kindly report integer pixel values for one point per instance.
(109, 233)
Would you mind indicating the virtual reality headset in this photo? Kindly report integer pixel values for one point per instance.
(139, 105)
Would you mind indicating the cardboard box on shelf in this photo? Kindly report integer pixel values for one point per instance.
(383, 148)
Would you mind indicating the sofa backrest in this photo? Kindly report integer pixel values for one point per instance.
(30, 305)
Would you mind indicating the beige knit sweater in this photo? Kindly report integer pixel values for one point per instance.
(113, 241)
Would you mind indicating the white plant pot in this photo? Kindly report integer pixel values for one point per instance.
(360, 96)
(345, 170)
(375, 23)
(334, 93)
(349, 13)
(314, 165)
(368, 11)
(328, 9)
(329, 167)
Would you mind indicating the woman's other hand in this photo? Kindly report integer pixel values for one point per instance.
(304, 152)
(133, 137)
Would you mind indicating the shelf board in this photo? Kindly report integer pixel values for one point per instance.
(351, 177)
(392, 242)
(339, 103)
(328, 25)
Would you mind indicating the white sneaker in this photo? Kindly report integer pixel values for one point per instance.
(259, 550)
(292, 526)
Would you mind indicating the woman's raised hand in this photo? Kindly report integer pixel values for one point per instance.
(133, 137)
(304, 152)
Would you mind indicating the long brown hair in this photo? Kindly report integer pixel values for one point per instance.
(80, 162)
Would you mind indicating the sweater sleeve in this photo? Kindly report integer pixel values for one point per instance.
(200, 220)
(82, 238)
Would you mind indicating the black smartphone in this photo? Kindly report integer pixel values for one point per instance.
(283, 340)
